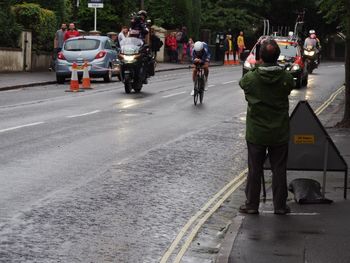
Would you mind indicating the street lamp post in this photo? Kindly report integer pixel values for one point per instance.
(142, 4)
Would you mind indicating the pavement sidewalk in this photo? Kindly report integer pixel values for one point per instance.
(15, 80)
(311, 233)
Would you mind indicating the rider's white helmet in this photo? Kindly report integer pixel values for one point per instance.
(198, 46)
(312, 31)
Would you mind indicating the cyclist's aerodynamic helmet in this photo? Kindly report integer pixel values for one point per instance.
(198, 46)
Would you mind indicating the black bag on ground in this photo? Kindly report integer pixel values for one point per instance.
(307, 191)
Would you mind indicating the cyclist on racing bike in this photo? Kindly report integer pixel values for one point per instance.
(200, 55)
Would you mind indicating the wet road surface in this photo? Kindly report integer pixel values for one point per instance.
(103, 176)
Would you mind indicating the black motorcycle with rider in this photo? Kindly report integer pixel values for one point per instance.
(312, 48)
(136, 61)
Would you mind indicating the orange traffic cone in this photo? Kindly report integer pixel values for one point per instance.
(74, 82)
(231, 60)
(86, 77)
(226, 61)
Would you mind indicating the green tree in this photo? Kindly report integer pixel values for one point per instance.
(111, 17)
(62, 8)
(338, 11)
(172, 14)
(9, 29)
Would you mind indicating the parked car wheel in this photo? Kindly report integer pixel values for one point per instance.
(60, 79)
(108, 76)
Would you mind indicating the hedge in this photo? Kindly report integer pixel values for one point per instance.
(40, 21)
(9, 29)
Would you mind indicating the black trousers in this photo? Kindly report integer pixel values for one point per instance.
(278, 155)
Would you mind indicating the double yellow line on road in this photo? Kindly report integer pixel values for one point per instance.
(329, 101)
(234, 184)
(216, 201)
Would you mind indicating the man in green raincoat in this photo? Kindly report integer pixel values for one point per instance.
(266, 90)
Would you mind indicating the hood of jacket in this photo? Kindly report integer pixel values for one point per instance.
(270, 73)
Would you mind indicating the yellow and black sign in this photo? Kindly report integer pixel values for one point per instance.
(304, 139)
(307, 144)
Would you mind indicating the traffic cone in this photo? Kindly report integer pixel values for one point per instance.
(226, 60)
(237, 59)
(86, 77)
(231, 61)
(74, 82)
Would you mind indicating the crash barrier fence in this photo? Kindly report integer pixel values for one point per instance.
(310, 146)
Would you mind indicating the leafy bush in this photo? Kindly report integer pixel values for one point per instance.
(41, 22)
(9, 29)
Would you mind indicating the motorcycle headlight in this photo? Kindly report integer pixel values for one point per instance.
(247, 64)
(309, 53)
(129, 58)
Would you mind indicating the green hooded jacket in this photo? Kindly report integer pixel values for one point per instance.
(266, 90)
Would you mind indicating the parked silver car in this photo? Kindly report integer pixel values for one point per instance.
(98, 51)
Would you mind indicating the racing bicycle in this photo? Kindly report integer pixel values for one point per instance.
(199, 84)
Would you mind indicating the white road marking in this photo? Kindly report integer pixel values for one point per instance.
(228, 82)
(332, 66)
(174, 94)
(21, 126)
(209, 86)
(84, 114)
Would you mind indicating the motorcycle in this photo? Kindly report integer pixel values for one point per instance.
(136, 65)
(311, 58)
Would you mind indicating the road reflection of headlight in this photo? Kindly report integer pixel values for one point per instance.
(247, 64)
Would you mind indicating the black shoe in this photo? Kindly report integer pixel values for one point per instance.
(247, 210)
(145, 81)
(283, 211)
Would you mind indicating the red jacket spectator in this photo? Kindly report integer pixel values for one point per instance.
(72, 32)
(171, 42)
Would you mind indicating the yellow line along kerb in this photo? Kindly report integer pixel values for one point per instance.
(329, 101)
(205, 218)
(197, 215)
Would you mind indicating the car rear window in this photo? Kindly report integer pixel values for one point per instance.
(81, 44)
(288, 50)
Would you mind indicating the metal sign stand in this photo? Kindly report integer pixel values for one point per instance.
(325, 167)
(95, 4)
(95, 21)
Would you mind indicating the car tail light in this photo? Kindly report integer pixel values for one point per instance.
(61, 56)
(101, 54)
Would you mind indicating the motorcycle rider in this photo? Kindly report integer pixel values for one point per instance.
(313, 41)
(201, 55)
(139, 23)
